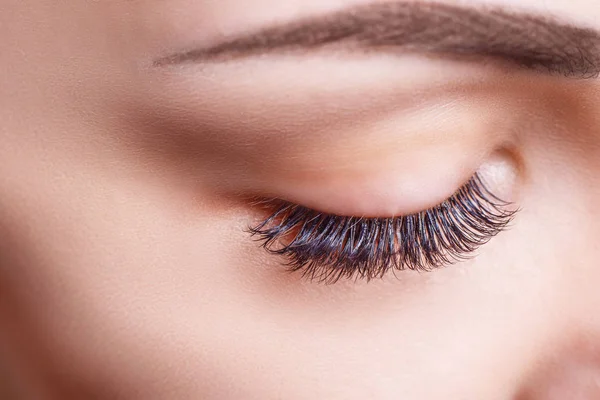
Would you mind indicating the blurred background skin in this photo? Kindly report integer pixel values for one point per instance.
(125, 270)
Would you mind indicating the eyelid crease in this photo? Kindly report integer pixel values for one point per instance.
(327, 248)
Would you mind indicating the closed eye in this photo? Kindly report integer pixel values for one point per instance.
(327, 247)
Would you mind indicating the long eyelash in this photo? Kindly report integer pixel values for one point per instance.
(328, 247)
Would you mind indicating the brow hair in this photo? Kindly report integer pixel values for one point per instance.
(534, 42)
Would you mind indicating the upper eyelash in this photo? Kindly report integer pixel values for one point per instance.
(328, 247)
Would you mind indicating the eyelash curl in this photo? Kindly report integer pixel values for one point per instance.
(328, 247)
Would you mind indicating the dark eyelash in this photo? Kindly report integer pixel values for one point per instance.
(329, 247)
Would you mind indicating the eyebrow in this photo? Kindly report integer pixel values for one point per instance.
(533, 42)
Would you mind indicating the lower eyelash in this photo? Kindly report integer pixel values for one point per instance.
(328, 247)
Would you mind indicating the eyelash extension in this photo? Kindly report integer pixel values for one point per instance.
(328, 247)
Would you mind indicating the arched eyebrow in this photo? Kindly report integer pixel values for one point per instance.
(534, 42)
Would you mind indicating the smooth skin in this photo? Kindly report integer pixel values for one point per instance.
(126, 271)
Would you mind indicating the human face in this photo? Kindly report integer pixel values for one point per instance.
(133, 155)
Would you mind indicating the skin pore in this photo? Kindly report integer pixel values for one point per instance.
(128, 175)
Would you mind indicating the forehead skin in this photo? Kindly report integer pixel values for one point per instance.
(123, 277)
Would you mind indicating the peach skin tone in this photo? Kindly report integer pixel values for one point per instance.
(141, 142)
